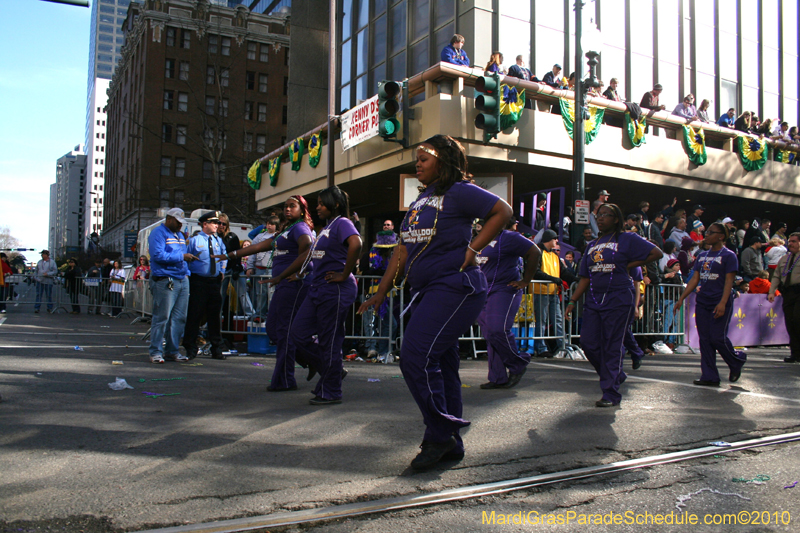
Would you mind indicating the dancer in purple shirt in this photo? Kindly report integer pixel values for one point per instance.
(499, 262)
(609, 305)
(318, 329)
(714, 270)
(290, 247)
(448, 289)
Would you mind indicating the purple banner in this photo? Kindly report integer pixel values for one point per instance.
(755, 322)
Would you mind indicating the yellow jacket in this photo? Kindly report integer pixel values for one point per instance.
(551, 265)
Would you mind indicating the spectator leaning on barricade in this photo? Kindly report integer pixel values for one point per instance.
(169, 285)
(728, 119)
(678, 231)
(551, 78)
(702, 112)
(755, 123)
(205, 283)
(742, 122)
(72, 284)
(495, 63)
(546, 302)
(650, 99)
(453, 52)
(654, 230)
(787, 278)
(611, 93)
(686, 109)
(752, 262)
(95, 271)
(781, 133)
(518, 70)
(260, 264)
(46, 271)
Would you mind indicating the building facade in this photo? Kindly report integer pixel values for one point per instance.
(199, 94)
(66, 201)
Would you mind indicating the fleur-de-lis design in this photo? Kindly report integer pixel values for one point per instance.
(772, 315)
(740, 315)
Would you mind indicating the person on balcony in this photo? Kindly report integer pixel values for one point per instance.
(650, 99)
(702, 112)
(686, 109)
(728, 119)
(742, 122)
(551, 78)
(518, 70)
(454, 53)
(495, 63)
(611, 93)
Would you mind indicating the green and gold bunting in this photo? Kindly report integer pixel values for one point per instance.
(274, 168)
(296, 152)
(694, 141)
(314, 150)
(254, 175)
(752, 152)
(635, 129)
(785, 156)
(591, 125)
(512, 103)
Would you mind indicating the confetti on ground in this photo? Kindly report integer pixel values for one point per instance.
(78, 349)
(719, 457)
(758, 480)
(256, 364)
(720, 443)
(373, 380)
(117, 363)
(192, 364)
(465, 386)
(142, 380)
(793, 485)
(397, 377)
(686, 497)
(159, 395)
(165, 379)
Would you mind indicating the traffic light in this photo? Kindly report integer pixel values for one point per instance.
(489, 105)
(388, 108)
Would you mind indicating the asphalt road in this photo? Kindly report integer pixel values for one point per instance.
(78, 456)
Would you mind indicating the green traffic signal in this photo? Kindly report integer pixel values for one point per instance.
(388, 107)
(489, 105)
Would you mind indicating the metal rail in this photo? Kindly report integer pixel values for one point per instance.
(475, 491)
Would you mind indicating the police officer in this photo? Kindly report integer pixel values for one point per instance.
(205, 283)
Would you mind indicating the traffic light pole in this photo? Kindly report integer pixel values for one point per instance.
(331, 89)
(578, 183)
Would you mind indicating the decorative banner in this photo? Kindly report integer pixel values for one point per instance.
(635, 129)
(695, 144)
(755, 322)
(314, 150)
(296, 153)
(254, 175)
(511, 105)
(274, 168)
(752, 152)
(591, 125)
(785, 156)
(360, 123)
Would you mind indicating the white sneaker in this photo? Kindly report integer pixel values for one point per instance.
(179, 357)
(157, 359)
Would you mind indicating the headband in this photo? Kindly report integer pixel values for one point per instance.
(431, 151)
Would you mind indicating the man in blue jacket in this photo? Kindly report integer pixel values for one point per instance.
(453, 53)
(169, 285)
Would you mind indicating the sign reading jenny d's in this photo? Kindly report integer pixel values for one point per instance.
(360, 123)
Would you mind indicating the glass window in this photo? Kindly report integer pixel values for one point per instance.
(749, 99)
(166, 165)
(790, 111)
(250, 80)
(166, 133)
(212, 44)
(362, 52)
(706, 49)
(771, 69)
(789, 75)
(251, 50)
(667, 30)
(728, 56)
(210, 100)
(346, 64)
(706, 89)
(180, 135)
(668, 77)
(397, 67)
(378, 75)
(729, 97)
(186, 38)
(380, 7)
(168, 99)
(379, 40)
(345, 98)
(210, 75)
(770, 16)
(612, 65)
(704, 12)
(223, 107)
(262, 83)
(208, 170)
(226, 46)
(397, 22)
(248, 142)
(183, 102)
(551, 14)
(248, 110)
(420, 19)
(515, 35)
(262, 112)
(180, 171)
(347, 19)
(442, 38)
(225, 76)
(728, 19)
(612, 20)
(444, 10)
(363, 13)
(547, 56)
(171, 36)
(264, 55)
(789, 30)
(261, 143)
(361, 89)
(643, 80)
(184, 72)
(750, 64)
(419, 57)
(770, 107)
(169, 69)
(642, 37)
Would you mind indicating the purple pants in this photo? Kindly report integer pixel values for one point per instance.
(713, 334)
(322, 314)
(602, 334)
(429, 354)
(496, 321)
(630, 344)
(283, 307)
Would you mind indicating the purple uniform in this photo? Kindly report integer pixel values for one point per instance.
(445, 301)
(284, 304)
(608, 304)
(713, 267)
(630, 342)
(323, 312)
(500, 263)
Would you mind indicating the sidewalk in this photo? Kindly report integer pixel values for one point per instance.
(216, 445)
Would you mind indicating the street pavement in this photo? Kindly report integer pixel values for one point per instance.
(216, 445)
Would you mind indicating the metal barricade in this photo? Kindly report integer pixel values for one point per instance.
(138, 300)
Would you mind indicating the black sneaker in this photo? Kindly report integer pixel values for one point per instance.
(431, 453)
(319, 400)
(513, 379)
(705, 383)
(492, 385)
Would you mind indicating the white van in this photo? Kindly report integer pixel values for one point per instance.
(192, 225)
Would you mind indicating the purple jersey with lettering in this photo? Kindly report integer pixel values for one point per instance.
(456, 210)
(330, 249)
(605, 263)
(713, 267)
(500, 260)
(286, 247)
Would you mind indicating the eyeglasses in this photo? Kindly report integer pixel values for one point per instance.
(386, 225)
(222, 224)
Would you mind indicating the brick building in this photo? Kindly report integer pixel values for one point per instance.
(199, 94)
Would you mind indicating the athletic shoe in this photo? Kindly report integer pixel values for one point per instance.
(605, 403)
(179, 357)
(431, 453)
(706, 383)
(319, 400)
(513, 379)
(157, 359)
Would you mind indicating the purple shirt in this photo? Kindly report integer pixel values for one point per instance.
(460, 205)
(330, 250)
(713, 267)
(286, 247)
(605, 263)
(500, 260)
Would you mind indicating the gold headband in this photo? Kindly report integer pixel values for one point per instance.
(431, 151)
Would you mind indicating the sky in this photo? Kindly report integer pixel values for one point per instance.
(43, 72)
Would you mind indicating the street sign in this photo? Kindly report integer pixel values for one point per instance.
(130, 244)
(581, 211)
(361, 123)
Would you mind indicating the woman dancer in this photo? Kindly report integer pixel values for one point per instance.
(331, 293)
(609, 306)
(290, 247)
(714, 270)
(448, 289)
(499, 262)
